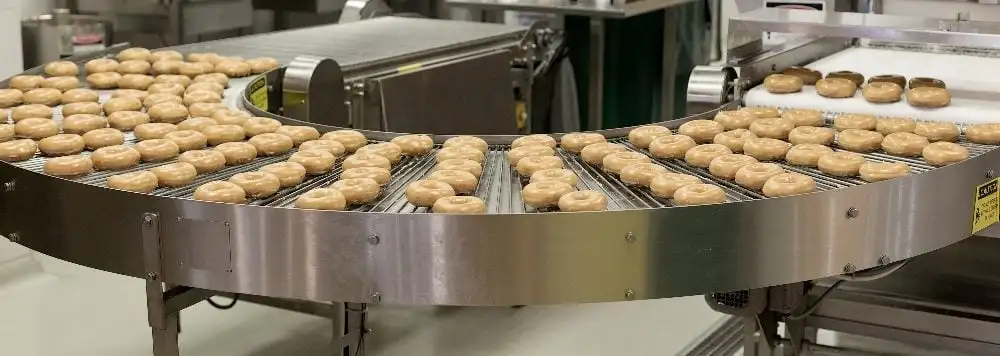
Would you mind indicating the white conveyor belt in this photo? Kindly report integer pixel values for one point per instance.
(974, 83)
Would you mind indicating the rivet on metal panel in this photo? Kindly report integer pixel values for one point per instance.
(376, 297)
(884, 260)
(629, 237)
(151, 276)
(990, 173)
(852, 213)
(629, 294)
(8, 186)
(14, 237)
(849, 268)
(774, 67)
(147, 218)
(270, 88)
(373, 239)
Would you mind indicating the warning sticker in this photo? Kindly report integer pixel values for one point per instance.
(258, 93)
(987, 206)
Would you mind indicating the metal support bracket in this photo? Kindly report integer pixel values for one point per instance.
(164, 322)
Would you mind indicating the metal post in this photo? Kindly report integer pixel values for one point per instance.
(176, 26)
(667, 85)
(163, 322)
(595, 89)
(349, 329)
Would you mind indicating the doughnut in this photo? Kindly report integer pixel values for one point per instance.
(43, 96)
(762, 112)
(103, 137)
(203, 96)
(854, 77)
(811, 134)
(315, 161)
(196, 123)
(134, 67)
(836, 88)
(164, 55)
(218, 78)
(10, 97)
(127, 120)
(859, 140)
(735, 119)
(986, 134)
(334, 147)
(537, 139)
(664, 185)
(461, 181)
(298, 134)
(81, 123)
(467, 165)
(776, 128)
(289, 174)
(921, 82)
(593, 153)
(766, 149)
(138, 181)
(206, 109)
(166, 88)
(471, 141)
(364, 190)
(88, 108)
(882, 92)
(205, 161)
(170, 113)
(555, 174)
(135, 81)
(157, 149)
(702, 131)
(855, 121)
(29, 111)
(194, 69)
(62, 69)
(260, 125)
(202, 57)
(321, 199)
(61, 83)
(787, 184)
(616, 161)
(937, 131)
(237, 153)
(233, 69)
(61, 145)
(113, 158)
(753, 176)
(262, 64)
(106, 80)
(459, 205)
(153, 130)
(170, 67)
(69, 166)
(904, 144)
(808, 76)
(889, 78)
(841, 164)
(803, 117)
(544, 194)
(388, 150)
(114, 105)
(575, 142)
(135, 53)
(783, 84)
(529, 165)
(204, 86)
(6, 132)
(460, 152)
(257, 184)
(641, 136)
(232, 117)
(928, 97)
(584, 200)
(895, 124)
(18, 150)
(80, 95)
(160, 98)
(699, 194)
(219, 134)
(944, 153)
(187, 140)
(220, 192)
(271, 144)
(640, 173)
(175, 79)
(380, 175)
(412, 145)
(366, 160)
(26, 82)
(702, 155)
(36, 128)
(726, 166)
(134, 93)
(806, 154)
(174, 175)
(879, 171)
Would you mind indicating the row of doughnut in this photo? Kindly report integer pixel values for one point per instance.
(880, 89)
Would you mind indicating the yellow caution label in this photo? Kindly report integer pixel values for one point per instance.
(409, 68)
(522, 115)
(987, 206)
(258, 93)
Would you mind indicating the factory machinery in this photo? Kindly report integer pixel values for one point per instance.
(764, 258)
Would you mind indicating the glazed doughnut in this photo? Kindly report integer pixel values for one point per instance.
(895, 124)
(219, 134)
(202, 57)
(203, 96)
(233, 69)
(811, 134)
(921, 82)
(575, 142)
(18, 150)
(806, 154)
(735, 119)
(944, 153)
(130, 93)
(461, 181)
(289, 174)
(29, 111)
(380, 175)
(220, 192)
(205, 161)
(43, 96)
(196, 123)
(237, 153)
(164, 55)
(10, 97)
(460, 152)
(6, 132)
(776, 128)
(257, 184)
(206, 109)
(187, 140)
(114, 105)
(467, 165)
(766, 149)
(640, 173)
(702, 131)
(61, 145)
(986, 134)
(879, 171)
(753, 176)
(62, 69)
(194, 69)
(334, 147)
(80, 95)
(204, 86)
(352, 140)
(218, 78)
(127, 120)
(81, 123)
(783, 84)
(174, 175)
(859, 140)
(584, 200)
(166, 88)
(664, 185)
(170, 67)
(160, 98)
(103, 138)
(841, 164)
(412, 145)
(882, 92)
(61, 83)
(904, 144)
(366, 160)
(105, 80)
(157, 149)
(459, 205)
(364, 190)
(135, 54)
(135, 81)
(182, 80)
(555, 174)
(388, 150)
(803, 117)
(762, 112)
(26, 82)
(113, 158)
(322, 199)
(855, 121)
(69, 166)
(702, 155)
(808, 76)
(138, 181)
(641, 136)
(271, 144)
(36, 128)
(88, 108)
(537, 139)
(153, 130)
(699, 194)
(544, 194)
(836, 88)
(298, 134)
(262, 64)
(170, 113)
(233, 117)
(593, 153)
(787, 184)
(315, 161)
(529, 165)
(726, 166)
(616, 161)
(889, 78)
(937, 131)
(260, 125)
(928, 97)
(854, 77)
(471, 141)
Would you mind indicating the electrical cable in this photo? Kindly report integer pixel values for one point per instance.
(236, 297)
(872, 274)
(815, 305)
